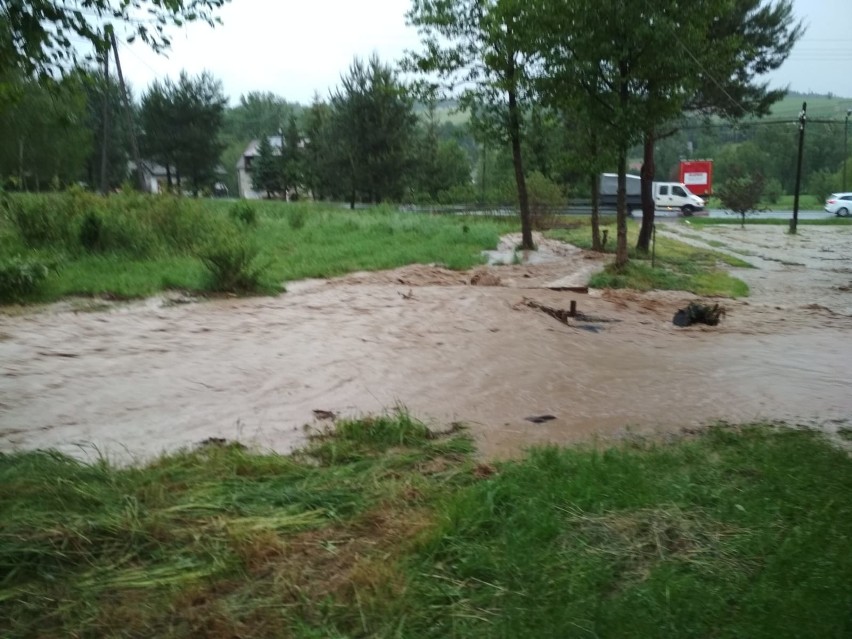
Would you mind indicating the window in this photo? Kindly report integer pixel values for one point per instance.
(664, 190)
(676, 190)
(847, 198)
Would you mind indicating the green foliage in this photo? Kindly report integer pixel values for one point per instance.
(544, 195)
(822, 184)
(244, 213)
(91, 232)
(742, 193)
(182, 122)
(266, 172)
(231, 257)
(772, 190)
(42, 31)
(21, 277)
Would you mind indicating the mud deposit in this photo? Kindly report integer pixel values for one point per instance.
(131, 381)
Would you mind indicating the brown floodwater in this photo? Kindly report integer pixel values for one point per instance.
(131, 381)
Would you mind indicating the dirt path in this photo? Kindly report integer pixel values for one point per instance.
(135, 380)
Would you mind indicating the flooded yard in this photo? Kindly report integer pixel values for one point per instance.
(131, 381)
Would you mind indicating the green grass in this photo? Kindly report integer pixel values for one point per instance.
(784, 203)
(677, 266)
(293, 241)
(388, 530)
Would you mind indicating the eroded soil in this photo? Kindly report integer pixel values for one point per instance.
(133, 380)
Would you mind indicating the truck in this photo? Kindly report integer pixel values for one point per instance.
(668, 196)
(697, 175)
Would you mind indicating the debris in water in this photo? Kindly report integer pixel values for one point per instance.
(407, 296)
(697, 313)
(324, 414)
(540, 419)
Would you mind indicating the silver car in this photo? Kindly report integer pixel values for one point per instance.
(840, 204)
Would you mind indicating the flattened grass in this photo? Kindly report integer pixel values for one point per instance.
(735, 532)
(677, 266)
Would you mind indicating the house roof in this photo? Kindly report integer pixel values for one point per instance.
(252, 150)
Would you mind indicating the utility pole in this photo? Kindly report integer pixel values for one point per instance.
(133, 145)
(105, 117)
(846, 146)
(803, 118)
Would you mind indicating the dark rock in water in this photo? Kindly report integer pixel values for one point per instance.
(697, 313)
(681, 318)
(540, 419)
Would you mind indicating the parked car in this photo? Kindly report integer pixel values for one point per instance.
(840, 204)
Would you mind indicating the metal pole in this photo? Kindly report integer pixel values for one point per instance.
(128, 114)
(105, 132)
(803, 117)
(846, 146)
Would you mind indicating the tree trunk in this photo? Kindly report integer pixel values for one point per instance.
(105, 131)
(647, 179)
(594, 181)
(596, 218)
(621, 210)
(515, 135)
(621, 257)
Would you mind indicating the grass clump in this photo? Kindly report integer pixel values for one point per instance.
(677, 266)
(827, 221)
(735, 532)
(20, 277)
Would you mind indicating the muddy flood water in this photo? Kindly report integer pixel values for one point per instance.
(131, 381)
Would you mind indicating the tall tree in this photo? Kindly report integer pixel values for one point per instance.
(292, 165)
(481, 45)
(181, 125)
(373, 122)
(318, 156)
(266, 174)
(44, 132)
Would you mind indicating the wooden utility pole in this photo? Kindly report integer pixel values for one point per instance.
(803, 118)
(134, 147)
(105, 117)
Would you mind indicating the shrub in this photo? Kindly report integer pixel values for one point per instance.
(231, 259)
(244, 213)
(772, 190)
(544, 195)
(42, 220)
(21, 277)
(91, 231)
(296, 219)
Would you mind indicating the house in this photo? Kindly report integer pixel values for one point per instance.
(244, 166)
(155, 178)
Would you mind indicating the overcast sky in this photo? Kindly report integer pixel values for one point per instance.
(296, 49)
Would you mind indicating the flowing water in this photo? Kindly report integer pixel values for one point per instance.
(131, 381)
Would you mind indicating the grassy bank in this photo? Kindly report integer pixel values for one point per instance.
(677, 266)
(386, 530)
(131, 246)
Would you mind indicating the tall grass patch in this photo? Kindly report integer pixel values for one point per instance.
(676, 265)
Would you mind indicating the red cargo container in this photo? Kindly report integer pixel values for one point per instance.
(697, 175)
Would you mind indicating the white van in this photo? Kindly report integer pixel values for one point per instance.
(670, 196)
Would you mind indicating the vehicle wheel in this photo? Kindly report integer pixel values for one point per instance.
(843, 212)
(687, 211)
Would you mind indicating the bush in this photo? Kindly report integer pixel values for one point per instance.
(296, 219)
(91, 231)
(231, 259)
(544, 195)
(42, 220)
(244, 213)
(21, 277)
(772, 190)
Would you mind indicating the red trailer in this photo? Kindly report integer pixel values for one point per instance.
(697, 175)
